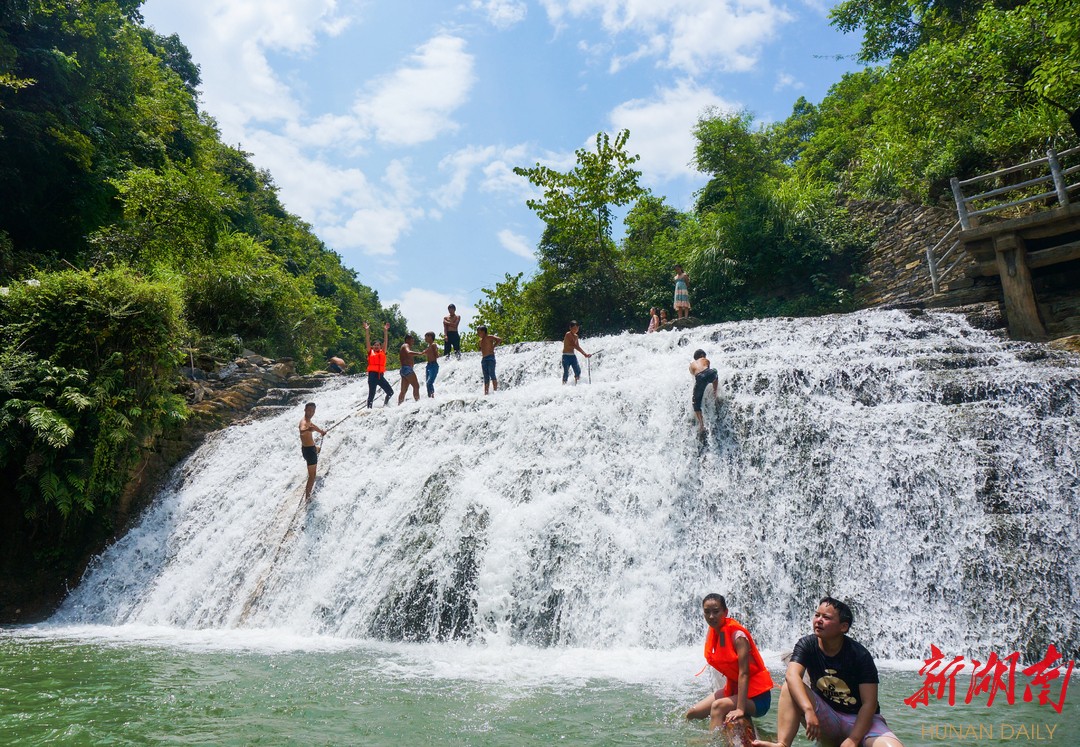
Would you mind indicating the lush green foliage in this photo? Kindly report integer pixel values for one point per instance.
(144, 236)
(966, 87)
(88, 366)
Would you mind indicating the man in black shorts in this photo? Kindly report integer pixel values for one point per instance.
(450, 324)
(704, 374)
(308, 447)
(841, 705)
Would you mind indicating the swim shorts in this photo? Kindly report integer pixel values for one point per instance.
(836, 726)
(406, 371)
(311, 454)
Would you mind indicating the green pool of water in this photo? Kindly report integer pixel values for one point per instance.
(113, 688)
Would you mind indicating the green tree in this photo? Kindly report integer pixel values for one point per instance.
(580, 274)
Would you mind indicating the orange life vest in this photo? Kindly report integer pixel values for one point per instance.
(722, 656)
(376, 361)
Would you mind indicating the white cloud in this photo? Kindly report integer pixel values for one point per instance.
(502, 14)
(515, 244)
(689, 35)
(783, 80)
(461, 164)
(661, 128)
(414, 104)
(424, 309)
(229, 39)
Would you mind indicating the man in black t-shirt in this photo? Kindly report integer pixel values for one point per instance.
(841, 706)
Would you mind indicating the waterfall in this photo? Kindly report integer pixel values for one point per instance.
(923, 469)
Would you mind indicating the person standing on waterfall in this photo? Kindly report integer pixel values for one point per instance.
(308, 447)
(704, 374)
(431, 353)
(731, 651)
(570, 343)
(487, 357)
(452, 339)
(841, 705)
(376, 365)
(407, 356)
(682, 293)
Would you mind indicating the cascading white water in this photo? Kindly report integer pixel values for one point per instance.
(923, 469)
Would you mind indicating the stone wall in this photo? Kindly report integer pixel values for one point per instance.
(896, 264)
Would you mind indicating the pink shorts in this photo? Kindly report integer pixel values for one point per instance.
(835, 726)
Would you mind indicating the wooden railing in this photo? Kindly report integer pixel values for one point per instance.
(1058, 176)
(1050, 171)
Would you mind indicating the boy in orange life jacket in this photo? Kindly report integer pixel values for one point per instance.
(841, 705)
(376, 365)
(730, 650)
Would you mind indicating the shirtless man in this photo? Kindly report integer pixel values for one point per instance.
(450, 324)
(704, 374)
(335, 364)
(487, 357)
(569, 360)
(407, 356)
(308, 447)
(431, 353)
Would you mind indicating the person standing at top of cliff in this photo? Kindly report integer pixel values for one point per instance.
(376, 364)
(431, 353)
(570, 343)
(450, 324)
(308, 447)
(407, 356)
(487, 357)
(682, 293)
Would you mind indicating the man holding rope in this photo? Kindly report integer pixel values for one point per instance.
(308, 447)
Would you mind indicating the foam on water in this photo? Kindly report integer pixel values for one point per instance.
(924, 469)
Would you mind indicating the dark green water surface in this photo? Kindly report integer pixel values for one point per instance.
(84, 689)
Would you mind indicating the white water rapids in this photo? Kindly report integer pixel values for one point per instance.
(924, 470)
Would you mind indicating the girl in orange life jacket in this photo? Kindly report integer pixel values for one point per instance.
(376, 365)
(730, 650)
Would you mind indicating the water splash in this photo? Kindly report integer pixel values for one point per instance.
(923, 469)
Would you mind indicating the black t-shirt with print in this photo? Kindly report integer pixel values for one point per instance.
(837, 678)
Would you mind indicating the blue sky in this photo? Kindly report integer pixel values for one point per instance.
(393, 127)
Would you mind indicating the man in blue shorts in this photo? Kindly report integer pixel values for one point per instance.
(841, 705)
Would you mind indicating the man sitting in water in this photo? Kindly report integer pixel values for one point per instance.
(704, 374)
(841, 706)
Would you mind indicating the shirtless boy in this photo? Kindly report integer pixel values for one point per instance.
(450, 324)
(308, 447)
(570, 343)
(431, 353)
(487, 357)
(407, 356)
(704, 374)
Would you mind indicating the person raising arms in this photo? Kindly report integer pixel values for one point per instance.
(376, 365)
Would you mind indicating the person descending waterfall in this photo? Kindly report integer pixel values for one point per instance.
(376, 365)
(704, 374)
(569, 359)
(450, 324)
(487, 357)
(431, 353)
(730, 650)
(841, 705)
(407, 356)
(308, 447)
